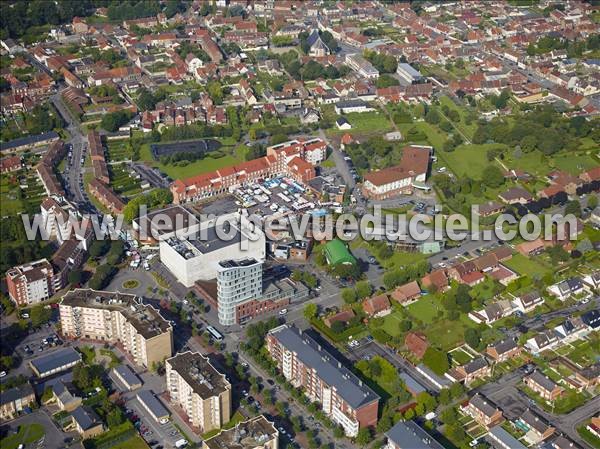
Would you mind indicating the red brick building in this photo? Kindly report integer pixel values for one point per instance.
(309, 366)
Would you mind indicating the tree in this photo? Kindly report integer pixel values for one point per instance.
(432, 116)
(363, 289)
(39, 315)
(337, 327)
(473, 337)
(573, 207)
(492, 176)
(592, 202)
(113, 120)
(310, 311)
(75, 277)
(215, 91)
(349, 295)
(364, 436)
(436, 360)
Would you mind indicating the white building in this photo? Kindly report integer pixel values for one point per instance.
(237, 281)
(195, 254)
(363, 67)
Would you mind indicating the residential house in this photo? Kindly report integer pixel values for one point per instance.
(503, 350)
(86, 422)
(417, 343)
(407, 294)
(490, 208)
(592, 280)
(492, 312)
(344, 316)
(538, 429)
(342, 123)
(482, 410)
(65, 395)
(15, 400)
(528, 302)
(543, 385)
(591, 319)
(571, 329)
(437, 280)
(477, 368)
(377, 306)
(544, 341)
(567, 288)
(532, 248)
(516, 195)
(408, 435)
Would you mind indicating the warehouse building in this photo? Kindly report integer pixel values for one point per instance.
(153, 406)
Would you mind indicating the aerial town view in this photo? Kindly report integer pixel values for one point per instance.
(286, 224)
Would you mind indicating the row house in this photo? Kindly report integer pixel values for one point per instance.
(107, 197)
(538, 429)
(503, 350)
(543, 385)
(543, 341)
(482, 410)
(477, 368)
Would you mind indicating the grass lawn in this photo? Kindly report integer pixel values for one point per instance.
(585, 352)
(10, 204)
(467, 130)
(235, 419)
(208, 164)
(527, 266)
(468, 160)
(399, 258)
(135, 442)
(391, 324)
(375, 121)
(27, 434)
(447, 334)
(588, 436)
(539, 165)
(460, 357)
(425, 309)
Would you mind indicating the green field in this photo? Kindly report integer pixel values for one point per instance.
(467, 130)
(27, 434)
(425, 309)
(391, 324)
(363, 122)
(14, 200)
(585, 352)
(208, 164)
(537, 164)
(135, 442)
(448, 334)
(527, 266)
(468, 160)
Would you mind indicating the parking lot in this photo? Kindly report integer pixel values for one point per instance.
(167, 434)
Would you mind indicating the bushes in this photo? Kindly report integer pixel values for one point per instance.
(102, 277)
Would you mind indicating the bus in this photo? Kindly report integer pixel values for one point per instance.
(215, 333)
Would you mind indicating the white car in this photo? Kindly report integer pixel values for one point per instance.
(2, 373)
(282, 311)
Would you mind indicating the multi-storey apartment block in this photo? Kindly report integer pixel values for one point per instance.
(117, 318)
(307, 365)
(32, 282)
(199, 389)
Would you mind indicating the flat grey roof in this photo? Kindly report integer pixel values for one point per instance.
(128, 376)
(411, 383)
(328, 368)
(498, 434)
(55, 360)
(147, 398)
(407, 434)
(410, 70)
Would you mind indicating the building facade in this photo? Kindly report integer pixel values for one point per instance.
(118, 318)
(32, 282)
(237, 282)
(199, 389)
(307, 365)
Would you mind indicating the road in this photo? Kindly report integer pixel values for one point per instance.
(78, 141)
